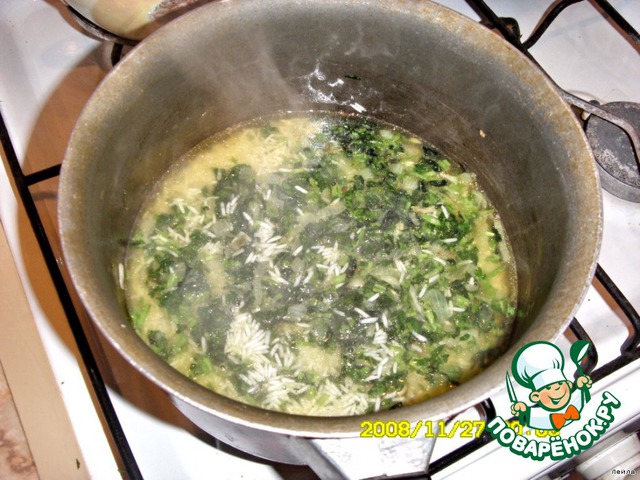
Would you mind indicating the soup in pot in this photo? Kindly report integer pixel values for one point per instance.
(321, 264)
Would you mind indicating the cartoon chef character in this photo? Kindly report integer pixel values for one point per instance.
(539, 367)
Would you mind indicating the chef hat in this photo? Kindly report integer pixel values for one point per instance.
(537, 365)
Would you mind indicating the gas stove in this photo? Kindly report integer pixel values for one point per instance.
(117, 424)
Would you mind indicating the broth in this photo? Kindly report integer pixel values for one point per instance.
(321, 264)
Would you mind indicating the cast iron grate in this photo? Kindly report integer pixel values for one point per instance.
(23, 182)
(613, 129)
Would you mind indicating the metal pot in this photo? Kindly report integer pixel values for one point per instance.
(411, 63)
(130, 21)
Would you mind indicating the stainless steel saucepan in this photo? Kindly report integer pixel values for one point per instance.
(411, 63)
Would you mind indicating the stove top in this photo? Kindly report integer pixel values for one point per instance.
(49, 69)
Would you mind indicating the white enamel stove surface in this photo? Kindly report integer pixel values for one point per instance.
(48, 69)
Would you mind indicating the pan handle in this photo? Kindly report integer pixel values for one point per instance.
(603, 113)
(366, 458)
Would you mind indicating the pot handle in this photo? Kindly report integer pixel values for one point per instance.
(603, 113)
(366, 458)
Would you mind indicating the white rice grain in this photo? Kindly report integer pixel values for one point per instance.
(121, 275)
(373, 297)
(366, 321)
(385, 320)
(248, 218)
(422, 338)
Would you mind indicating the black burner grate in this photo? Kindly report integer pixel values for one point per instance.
(620, 176)
(23, 182)
(508, 28)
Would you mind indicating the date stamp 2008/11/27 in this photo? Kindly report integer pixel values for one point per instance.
(433, 429)
(422, 428)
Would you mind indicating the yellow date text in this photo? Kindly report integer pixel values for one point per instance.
(422, 428)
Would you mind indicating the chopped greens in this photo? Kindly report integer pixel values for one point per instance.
(321, 265)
